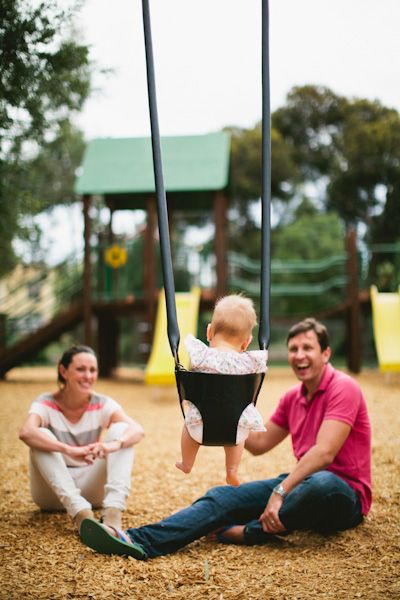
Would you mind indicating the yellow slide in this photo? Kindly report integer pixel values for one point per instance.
(386, 324)
(160, 369)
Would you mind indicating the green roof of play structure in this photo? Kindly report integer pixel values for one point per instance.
(113, 166)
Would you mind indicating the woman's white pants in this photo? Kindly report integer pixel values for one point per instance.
(105, 483)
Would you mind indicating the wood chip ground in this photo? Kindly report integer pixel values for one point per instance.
(43, 558)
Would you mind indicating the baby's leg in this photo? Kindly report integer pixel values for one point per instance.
(233, 454)
(189, 449)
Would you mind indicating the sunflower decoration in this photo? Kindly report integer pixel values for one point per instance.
(115, 256)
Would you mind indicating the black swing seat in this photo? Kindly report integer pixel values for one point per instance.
(220, 399)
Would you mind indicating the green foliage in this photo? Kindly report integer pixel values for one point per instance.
(45, 79)
(43, 76)
(386, 277)
(246, 179)
(310, 122)
(51, 173)
(369, 172)
(354, 146)
(308, 271)
(312, 236)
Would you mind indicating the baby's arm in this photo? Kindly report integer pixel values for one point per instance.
(197, 351)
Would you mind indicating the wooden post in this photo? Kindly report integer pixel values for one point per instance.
(149, 264)
(110, 226)
(87, 272)
(220, 243)
(353, 312)
(3, 321)
(170, 205)
(108, 343)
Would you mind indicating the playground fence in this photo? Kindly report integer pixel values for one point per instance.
(298, 287)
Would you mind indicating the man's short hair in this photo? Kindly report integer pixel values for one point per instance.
(310, 324)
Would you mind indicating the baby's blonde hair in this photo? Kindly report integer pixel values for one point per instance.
(234, 317)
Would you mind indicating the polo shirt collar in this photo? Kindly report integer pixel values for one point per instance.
(323, 384)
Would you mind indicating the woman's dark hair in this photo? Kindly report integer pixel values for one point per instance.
(310, 324)
(67, 357)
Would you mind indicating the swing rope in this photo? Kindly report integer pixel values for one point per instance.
(265, 278)
(165, 247)
(221, 399)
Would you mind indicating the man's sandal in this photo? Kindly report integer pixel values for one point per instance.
(94, 535)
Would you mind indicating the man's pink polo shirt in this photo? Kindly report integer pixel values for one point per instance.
(338, 397)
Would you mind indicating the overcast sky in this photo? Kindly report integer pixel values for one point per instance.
(208, 69)
(207, 59)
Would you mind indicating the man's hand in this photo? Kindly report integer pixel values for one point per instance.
(269, 519)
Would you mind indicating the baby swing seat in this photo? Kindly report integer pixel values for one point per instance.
(220, 399)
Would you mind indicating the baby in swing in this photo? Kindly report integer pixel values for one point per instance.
(229, 335)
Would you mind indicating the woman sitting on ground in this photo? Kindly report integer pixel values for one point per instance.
(72, 466)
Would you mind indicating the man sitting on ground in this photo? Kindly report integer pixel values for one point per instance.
(328, 490)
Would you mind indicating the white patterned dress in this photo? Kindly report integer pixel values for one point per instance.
(211, 360)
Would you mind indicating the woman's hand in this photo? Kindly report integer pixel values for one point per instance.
(90, 452)
(101, 449)
(80, 452)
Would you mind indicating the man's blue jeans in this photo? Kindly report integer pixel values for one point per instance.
(322, 502)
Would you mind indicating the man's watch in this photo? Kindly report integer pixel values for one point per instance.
(279, 489)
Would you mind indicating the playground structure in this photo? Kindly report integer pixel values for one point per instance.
(93, 292)
(386, 323)
(120, 170)
(160, 368)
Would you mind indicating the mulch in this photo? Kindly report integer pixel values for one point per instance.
(43, 558)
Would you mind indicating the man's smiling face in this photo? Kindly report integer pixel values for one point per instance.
(307, 359)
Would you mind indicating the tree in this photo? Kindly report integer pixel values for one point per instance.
(45, 79)
(50, 175)
(312, 236)
(308, 268)
(246, 183)
(353, 147)
(365, 184)
(310, 122)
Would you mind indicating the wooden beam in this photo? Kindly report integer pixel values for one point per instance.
(353, 313)
(108, 343)
(87, 272)
(221, 242)
(149, 263)
(3, 326)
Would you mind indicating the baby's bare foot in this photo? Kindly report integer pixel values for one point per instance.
(232, 478)
(183, 467)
